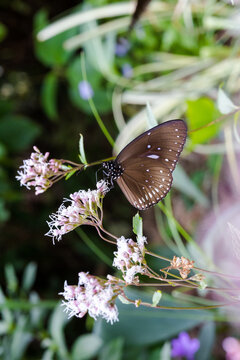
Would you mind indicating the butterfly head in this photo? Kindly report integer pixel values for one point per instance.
(111, 170)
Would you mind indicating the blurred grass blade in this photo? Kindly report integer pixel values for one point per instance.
(150, 117)
(182, 182)
(49, 95)
(102, 12)
(29, 276)
(57, 324)
(11, 279)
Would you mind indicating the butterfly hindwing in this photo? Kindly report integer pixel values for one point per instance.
(149, 186)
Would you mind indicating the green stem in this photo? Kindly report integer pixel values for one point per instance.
(93, 107)
(98, 162)
(93, 247)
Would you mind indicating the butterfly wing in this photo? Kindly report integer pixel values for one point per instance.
(148, 162)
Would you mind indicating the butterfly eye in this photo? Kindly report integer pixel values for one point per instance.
(143, 169)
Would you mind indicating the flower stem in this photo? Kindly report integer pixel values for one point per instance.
(93, 107)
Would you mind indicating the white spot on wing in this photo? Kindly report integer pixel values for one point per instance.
(148, 146)
(153, 156)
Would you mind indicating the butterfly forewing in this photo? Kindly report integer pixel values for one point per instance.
(148, 161)
(171, 135)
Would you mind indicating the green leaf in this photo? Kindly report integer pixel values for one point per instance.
(137, 225)
(224, 104)
(71, 173)
(18, 132)
(11, 278)
(49, 95)
(86, 347)
(81, 151)
(157, 295)
(123, 300)
(150, 117)
(56, 328)
(29, 276)
(207, 340)
(144, 326)
(113, 350)
(20, 340)
(201, 112)
(51, 52)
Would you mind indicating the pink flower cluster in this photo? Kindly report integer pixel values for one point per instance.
(39, 172)
(83, 210)
(93, 295)
(129, 258)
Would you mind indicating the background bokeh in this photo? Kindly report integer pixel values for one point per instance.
(176, 58)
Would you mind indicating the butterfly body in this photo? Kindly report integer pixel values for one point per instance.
(143, 169)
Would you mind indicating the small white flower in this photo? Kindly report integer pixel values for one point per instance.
(129, 258)
(93, 295)
(83, 209)
(39, 172)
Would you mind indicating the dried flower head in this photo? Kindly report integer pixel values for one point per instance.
(183, 265)
(85, 208)
(93, 295)
(129, 258)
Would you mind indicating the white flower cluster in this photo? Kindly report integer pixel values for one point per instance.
(38, 171)
(93, 295)
(129, 258)
(83, 209)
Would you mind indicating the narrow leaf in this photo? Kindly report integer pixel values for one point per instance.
(70, 174)
(81, 151)
(123, 300)
(137, 225)
(49, 95)
(156, 297)
(29, 276)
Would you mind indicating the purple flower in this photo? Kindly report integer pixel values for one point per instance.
(127, 70)
(122, 47)
(85, 90)
(185, 346)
